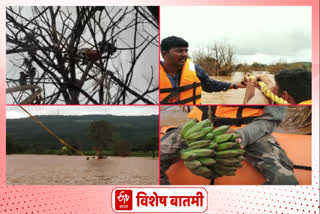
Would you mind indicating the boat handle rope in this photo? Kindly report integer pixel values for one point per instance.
(51, 132)
(302, 167)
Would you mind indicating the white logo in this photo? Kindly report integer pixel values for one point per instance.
(123, 198)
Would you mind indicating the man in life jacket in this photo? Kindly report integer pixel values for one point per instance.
(293, 85)
(181, 81)
(254, 124)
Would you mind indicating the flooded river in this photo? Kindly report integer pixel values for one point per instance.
(230, 96)
(76, 170)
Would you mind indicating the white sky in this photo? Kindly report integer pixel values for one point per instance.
(17, 112)
(259, 34)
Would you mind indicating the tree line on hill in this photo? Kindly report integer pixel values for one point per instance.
(218, 59)
(99, 135)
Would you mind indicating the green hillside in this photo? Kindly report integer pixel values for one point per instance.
(29, 135)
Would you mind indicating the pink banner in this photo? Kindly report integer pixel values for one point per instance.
(221, 199)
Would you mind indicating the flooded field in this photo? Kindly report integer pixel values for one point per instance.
(297, 119)
(76, 170)
(230, 96)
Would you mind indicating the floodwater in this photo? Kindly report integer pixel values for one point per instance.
(230, 96)
(297, 119)
(76, 170)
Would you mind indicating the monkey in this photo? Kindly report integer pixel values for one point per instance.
(91, 54)
(23, 79)
(106, 47)
(27, 63)
(32, 74)
(30, 36)
(31, 41)
(88, 55)
(31, 71)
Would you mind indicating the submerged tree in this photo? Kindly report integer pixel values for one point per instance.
(101, 133)
(152, 145)
(82, 55)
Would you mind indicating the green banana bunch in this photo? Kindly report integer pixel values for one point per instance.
(211, 153)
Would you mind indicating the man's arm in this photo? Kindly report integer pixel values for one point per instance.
(263, 125)
(208, 84)
(170, 146)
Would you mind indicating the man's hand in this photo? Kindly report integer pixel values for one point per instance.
(264, 79)
(238, 139)
(250, 90)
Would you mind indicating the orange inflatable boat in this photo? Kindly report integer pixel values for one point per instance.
(297, 147)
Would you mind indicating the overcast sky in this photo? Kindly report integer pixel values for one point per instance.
(17, 112)
(258, 34)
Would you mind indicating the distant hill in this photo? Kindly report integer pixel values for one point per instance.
(273, 68)
(135, 129)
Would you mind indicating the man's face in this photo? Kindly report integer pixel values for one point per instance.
(176, 56)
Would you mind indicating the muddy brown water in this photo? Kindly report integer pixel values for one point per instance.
(230, 96)
(76, 170)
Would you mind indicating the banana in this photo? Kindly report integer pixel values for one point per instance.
(209, 136)
(202, 171)
(215, 175)
(206, 161)
(224, 173)
(241, 151)
(220, 130)
(204, 152)
(192, 164)
(225, 168)
(225, 146)
(228, 161)
(241, 158)
(205, 123)
(223, 138)
(209, 129)
(187, 126)
(234, 136)
(236, 146)
(238, 165)
(199, 144)
(196, 136)
(229, 153)
(197, 127)
(188, 155)
(212, 145)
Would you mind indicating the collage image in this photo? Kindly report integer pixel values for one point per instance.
(135, 95)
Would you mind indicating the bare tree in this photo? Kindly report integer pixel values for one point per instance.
(216, 59)
(82, 55)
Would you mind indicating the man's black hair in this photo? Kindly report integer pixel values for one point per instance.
(173, 42)
(297, 82)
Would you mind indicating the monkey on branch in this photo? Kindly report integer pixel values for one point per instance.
(92, 55)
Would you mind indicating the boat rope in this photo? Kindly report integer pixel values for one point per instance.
(267, 92)
(302, 167)
(51, 132)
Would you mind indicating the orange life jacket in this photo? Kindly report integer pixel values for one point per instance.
(236, 116)
(306, 102)
(189, 90)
